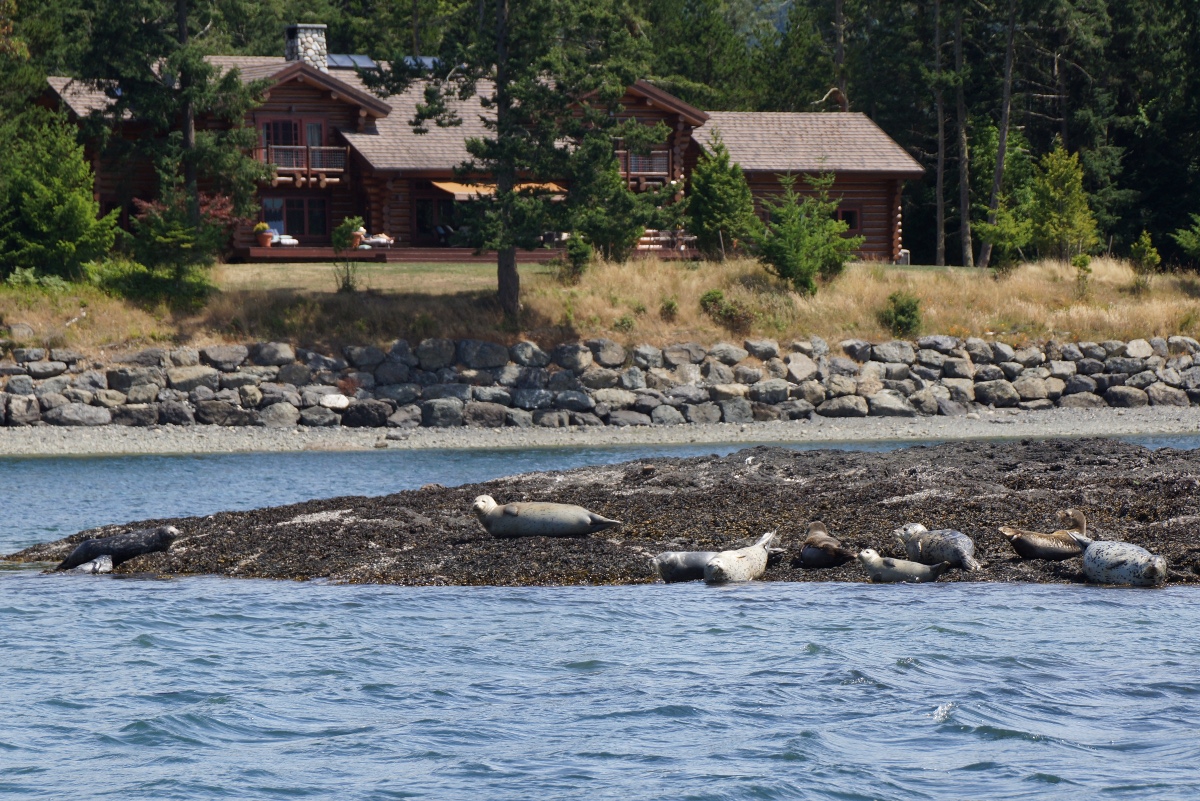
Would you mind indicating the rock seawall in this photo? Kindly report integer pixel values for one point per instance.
(444, 383)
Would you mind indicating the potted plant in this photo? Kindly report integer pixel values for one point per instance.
(265, 234)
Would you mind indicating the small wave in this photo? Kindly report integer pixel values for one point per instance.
(944, 712)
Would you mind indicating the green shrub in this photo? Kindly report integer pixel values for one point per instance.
(345, 270)
(1083, 273)
(804, 239)
(728, 313)
(669, 309)
(902, 315)
(1145, 259)
(578, 256)
(1188, 239)
(624, 323)
(125, 278)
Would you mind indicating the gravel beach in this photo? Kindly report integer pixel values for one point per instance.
(998, 424)
(429, 536)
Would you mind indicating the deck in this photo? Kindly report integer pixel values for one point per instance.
(394, 255)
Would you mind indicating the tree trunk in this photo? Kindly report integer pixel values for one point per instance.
(939, 97)
(985, 251)
(416, 28)
(839, 52)
(964, 152)
(508, 279)
(187, 120)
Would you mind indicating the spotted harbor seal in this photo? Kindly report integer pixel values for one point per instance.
(538, 519)
(121, 547)
(675, 566)
(101, 564)
(884, 569)
(744, 564)
(1054, 546)
(933, 547)
(821, 549)
(1106, 562)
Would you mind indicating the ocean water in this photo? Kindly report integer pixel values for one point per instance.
(210, 688)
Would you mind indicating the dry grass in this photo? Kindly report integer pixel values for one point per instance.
(622, 301)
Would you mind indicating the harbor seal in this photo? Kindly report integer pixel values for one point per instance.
(538, 519)
(1054, 546)
(101, 564)
(1106, 562)
(882, 569)
(933, 547)
(675, 566)
(744, 564)
(121, 547)
(821, 549)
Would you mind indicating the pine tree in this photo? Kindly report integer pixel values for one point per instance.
(720, 206)
(1063, 224)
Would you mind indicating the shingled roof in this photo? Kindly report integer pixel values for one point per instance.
(807, 142)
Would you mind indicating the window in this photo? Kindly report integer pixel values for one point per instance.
(436, 220)
(301, 217)
(852, 217)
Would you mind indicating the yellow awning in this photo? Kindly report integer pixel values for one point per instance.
(472, 191)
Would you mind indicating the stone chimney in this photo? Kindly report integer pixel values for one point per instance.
(307, 43)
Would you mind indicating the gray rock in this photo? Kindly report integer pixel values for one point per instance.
(844, 406)
(299, 375)
(24, 355)
(1054, 388)
(997, 393)
(280, 415)
(615, 398)
(52, 400)
(1012, 369)
(279, 393)
(896, 371)
(175, 413)
(402, 394)
(320, 417)
(1163, 395)
(762, 349)
(1169, 376)
(715, 372)
(775, 368)
(407, 416)
(91, 380)
(42, 370)
(743, 374)
(961, 390)
(1036, 405)
(108, 398)
(1126, 397)
(958, 368)
(1106, 380)
(1082, 400)
(230, 380)
(1071, 352)
(800, 368)
(607, 353)
(1089, 366)
(811, 391)
(518, 418)
(897, 351)
(819, 347)
(56, 385)
(509, 374)
(533, 398)
(905, 387)
(938, 342)
(274, 354)
(796, 409)
(979, 350)
(434, 354)
(481, 414)
(951, 408)
(77, 414)
(1180, 345)
(461, 392)
(988, 372)
(1029, 357)
(533, 378)
(1113, 347)
(495, 395)
(11, 368)
(1079, 383)
(647, 357)
(688, 393)
(720, 392)
(401, 352)
(573, 356)
(528, 354)
(646, 403)
(931, 358)
(20, 385)
(927, 374)
(1124, 364)
(184, 357)
(702, 413)
(140, 415)
(633, 378)
(551, 418)
(480, 355)
(889, 404)
(685, 353)
(366, 358)
(765, 412)
(392, 372)
(1142, 380)
(1063, 369)
(1002, 353)
(628, 417)
(150, 357)
(736, 410)
(1030, 388)
(924, 401)
(124, 378)
(375, 413)
(185, 379)
(774, 390)
(574, 402)
(727, 353)
(585, 419)
(23, 410)
(225, 358)
(599, 378)
(857, 349)
(320, 363)
(75, 395)
(1190, 378)
(223, 413)
(563, 381)
(201, 394)
(1139, 349)
(840, 385)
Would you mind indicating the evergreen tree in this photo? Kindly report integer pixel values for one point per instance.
(803, 238)
(720, 206)
(799, 61)
(698, 53)
(1063, 223)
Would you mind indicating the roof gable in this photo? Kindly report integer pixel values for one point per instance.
(668, 102)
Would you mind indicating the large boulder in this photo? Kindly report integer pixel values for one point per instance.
(844, 406)
(224, 413)
(573, 356)
(498, 395)
(762, 349)
(76, 414)
(606, 352)
(225, 358)
(460, 391)
(628, 417)
(1139, 349)
(40, 370)
(274, 354)
(736, 410)
(889, 403)
(897, 351)
(1031, 388)
(773, 390)
(407, 416)
(958, 368)
(666, 416)
(684, 353)
(528, 354)
(175, 413)
(123, 379)
(480, 355)
(185, 379)
(434, 354)
(364, 358)
(528, 398)
(727, 353)
(702, 413)
(139, 415)
(1161, 394)
(1082, 400)
(938, 342)
(23, 410)
(615, 398)
(280, 415)
(997, 393)
(574, 401)
(800, 368)
(319, 417)
(390, 371)
(1126, 397)
(647, 357)
(857, 349)
(480, 414)
(720, 392)
(368, 414)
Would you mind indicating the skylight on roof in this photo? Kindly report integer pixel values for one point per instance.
(349, 62)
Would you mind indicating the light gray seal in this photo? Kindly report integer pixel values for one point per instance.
(101, 564)
(1106, 562)
(884, 569)
(121, 547)
(1054, 546)
(933, 547)
(675, 566)
(744, 564)
(821, 549)
(536, 519)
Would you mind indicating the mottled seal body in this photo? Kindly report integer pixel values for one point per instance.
(884, 569)
(101, 564)
(675, 566)
(538, 519)
(821, 549)
(1107, 562)
(121, 547)
(1054, 546)
(934, 547)
(744, 564)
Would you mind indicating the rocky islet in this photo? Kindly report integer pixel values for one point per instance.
(443, 383)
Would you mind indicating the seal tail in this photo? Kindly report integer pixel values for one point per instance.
(766, 539)
(971, 563)
(600, 522)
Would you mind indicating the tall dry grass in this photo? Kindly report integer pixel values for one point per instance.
(84, 318)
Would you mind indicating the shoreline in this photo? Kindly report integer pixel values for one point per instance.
(1000, 424)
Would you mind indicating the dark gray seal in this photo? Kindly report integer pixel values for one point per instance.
(121, 547)
(674, 566)
(934, 547)
(1107, 562)
(821, 549)
(1054, 546)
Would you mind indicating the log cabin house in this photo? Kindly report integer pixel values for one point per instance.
(338, 150)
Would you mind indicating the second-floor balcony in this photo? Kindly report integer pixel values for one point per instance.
(304, 165)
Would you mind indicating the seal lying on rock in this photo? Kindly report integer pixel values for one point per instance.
(1055, 546)
(822, 549)
(537, 519)
(884, 569)
(121, 547)
(932, 547)
(1120, 563)
(744, 564)
(676, 566)
(101, 564)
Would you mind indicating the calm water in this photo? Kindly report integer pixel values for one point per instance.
(206, 688)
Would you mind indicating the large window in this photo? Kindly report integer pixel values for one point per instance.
(306, 218)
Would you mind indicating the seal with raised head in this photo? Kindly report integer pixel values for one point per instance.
(1054, 546)
(1107, 562)
(538, 519)
(744, 564)
(885, 570)
(821, 549)
(675, 566)
(934, 547)
(121, 547)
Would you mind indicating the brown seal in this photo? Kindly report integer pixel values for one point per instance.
(821, 549)
(1054, 546)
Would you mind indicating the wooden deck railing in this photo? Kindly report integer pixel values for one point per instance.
(301, 164)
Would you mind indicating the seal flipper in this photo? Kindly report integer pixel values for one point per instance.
(600, 522)
(1083, 541)
(971, 563)
(766, 539)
